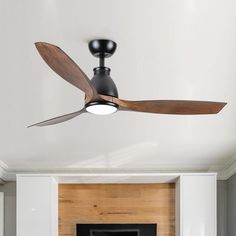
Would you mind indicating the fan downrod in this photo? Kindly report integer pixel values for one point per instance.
(102, 48)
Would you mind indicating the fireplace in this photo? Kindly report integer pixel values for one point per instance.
(116, 229)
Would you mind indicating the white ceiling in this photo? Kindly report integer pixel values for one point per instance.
(166, 50)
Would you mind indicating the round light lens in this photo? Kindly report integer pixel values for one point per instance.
(101, 109)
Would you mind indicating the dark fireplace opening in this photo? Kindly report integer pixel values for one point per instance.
(116, 230)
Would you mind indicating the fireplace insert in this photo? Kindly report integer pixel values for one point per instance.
(116, 229)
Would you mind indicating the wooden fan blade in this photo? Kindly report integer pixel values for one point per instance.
(175, 107)
(64, 66)
(59, 119)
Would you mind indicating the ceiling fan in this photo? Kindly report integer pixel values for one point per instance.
(101, 94)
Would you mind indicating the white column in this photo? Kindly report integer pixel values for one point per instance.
(37, 206)
(197, 205)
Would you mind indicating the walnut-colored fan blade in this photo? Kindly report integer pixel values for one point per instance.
(59, 119)
(64, 66)
(175, 107)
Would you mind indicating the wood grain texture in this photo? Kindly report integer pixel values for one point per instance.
(117, 203)
(171, 107)
(59, 119)
(64, 66)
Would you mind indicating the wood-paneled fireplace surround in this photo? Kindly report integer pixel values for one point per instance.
(117, 203)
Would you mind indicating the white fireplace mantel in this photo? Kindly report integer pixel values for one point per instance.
(37, 199)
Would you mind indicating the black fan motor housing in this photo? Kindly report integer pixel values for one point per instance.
(103, 83)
